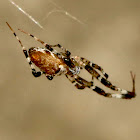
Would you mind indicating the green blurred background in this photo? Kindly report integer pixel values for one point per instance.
(105, 32)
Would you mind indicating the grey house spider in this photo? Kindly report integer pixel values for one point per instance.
(52, 63)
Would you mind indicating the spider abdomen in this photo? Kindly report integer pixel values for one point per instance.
(46, 61)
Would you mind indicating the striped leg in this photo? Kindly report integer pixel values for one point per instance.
(37, 39)
(83, 81)
(62, 48)
(109, 84)
(93, 65)
(99, 68)
(129, 95)
(81, 84)
(124, 94)
(74, 82)
(34, 72)
(49, 47)
(95, 74)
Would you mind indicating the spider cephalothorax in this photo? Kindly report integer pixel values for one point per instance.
(52, 63)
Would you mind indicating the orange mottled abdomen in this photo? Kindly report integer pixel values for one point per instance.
(45, 61)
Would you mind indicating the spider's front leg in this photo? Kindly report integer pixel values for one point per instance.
(34, 72)
(124, 93)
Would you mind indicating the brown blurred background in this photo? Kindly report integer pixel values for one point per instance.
(105, 32)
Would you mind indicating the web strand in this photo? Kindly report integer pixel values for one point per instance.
(59, 10)
(25, 13)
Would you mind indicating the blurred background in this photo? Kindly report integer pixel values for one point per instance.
(105, 32)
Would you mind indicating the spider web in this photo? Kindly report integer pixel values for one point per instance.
(55, 8)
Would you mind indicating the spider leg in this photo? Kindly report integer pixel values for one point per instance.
(49, 47)
(99, 68)
(95, 74)
(92, 78)
(34, 72)
(100, 91)
(93, 65)
(37, 39)
(109, 84)
(62, 48)
(83, 81)
(123, 95)
(75, 83)
(46, 45)
(78, 82)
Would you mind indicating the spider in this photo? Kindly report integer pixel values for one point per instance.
(52, 63)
